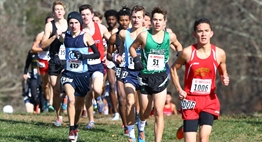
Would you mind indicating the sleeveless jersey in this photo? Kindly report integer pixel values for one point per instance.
(99, 44)
(168, 111)
(200, 74)
(128, 41)
(56, 47)
(77, 43)
(155, 55)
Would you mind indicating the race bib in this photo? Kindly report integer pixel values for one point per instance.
(74, 65)
(118, 72)
(110, 65)
(155, 62)
(65, 80)
(187, 104)
(131, 62)
(124, 74)
(62, 52)
(93, 61)
(123, 63)
(201, 86)
(40, 64)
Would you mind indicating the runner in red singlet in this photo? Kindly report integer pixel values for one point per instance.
(199, 103)
(169, 108)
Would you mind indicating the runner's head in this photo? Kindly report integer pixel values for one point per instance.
(124, 17)
(58, 9)
(147, 20)
(111, 19)
(203, 31)
(158, 18)
(49, 18)
(138, 13)
(97, 17)
(75, 21)
(168, 97)
(87, 13)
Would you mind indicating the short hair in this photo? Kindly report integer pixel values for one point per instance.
(199, 21)
(47, 17)
(159, 10)
(84, 7)
(147, 14)
(110, 12)
(125, 11)
(58, 2)
(98, 14)
(138, 8)
(168, 92)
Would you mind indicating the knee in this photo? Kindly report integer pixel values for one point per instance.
(71, 101)
(130, 102)
(158, 112)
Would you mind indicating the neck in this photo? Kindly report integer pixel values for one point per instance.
(59, 20)
(89, 25)
(74, 34)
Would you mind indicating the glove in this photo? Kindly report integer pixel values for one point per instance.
(138, 64)
(78, 54)
(57, 61)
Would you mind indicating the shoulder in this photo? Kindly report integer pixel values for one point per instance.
(186, 52)
(102, 28)
(122, 33)
(172, 35)
(220, 51)
(143, 34)
(112, 38)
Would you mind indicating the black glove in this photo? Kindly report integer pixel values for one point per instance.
(57, 61)
(78, 55)
(138, 63)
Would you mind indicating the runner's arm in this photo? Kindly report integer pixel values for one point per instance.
(37, 41)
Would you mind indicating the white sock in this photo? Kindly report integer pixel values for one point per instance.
(141, 125)
(131, 131)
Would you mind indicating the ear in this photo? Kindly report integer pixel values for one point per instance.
(194, 34)
(211, 34)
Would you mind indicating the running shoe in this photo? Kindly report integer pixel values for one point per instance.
(51, 108)
(76, 136)
(141, 136)
(180, 133)
(90, 125)
(59, 121)
(116, 117)
(71, 135)
(131, 139)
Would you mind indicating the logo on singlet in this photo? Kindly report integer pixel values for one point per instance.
(72, 56)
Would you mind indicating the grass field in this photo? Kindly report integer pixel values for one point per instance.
(21, 127)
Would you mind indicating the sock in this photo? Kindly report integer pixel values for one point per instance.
(141, 125)
(76, 126)
(72, 128)
(131, 131)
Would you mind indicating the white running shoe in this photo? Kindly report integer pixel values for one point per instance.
(116, 117)
(59, 121)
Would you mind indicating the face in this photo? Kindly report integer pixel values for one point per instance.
(203, 33)
(87, 16)
(147, 22)
(111, 21)
(74, 25)
(168, 98)
(96, 19)
(137, 19)
(59, 11)
(124, 22)
(158, 21)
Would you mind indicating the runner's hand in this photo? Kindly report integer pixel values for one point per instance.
(224, 80)
(182, 94)
(138, 64)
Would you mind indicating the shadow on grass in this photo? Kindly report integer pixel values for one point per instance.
(28, 122)
(33, 138)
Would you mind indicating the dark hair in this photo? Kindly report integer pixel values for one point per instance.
(125, 11)
(98, 14)
(84, 7)
(159, 10)
(201, 20)
(147, 14)
(168, 92)
(110, 12)
(138, 8)
(47, 17)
